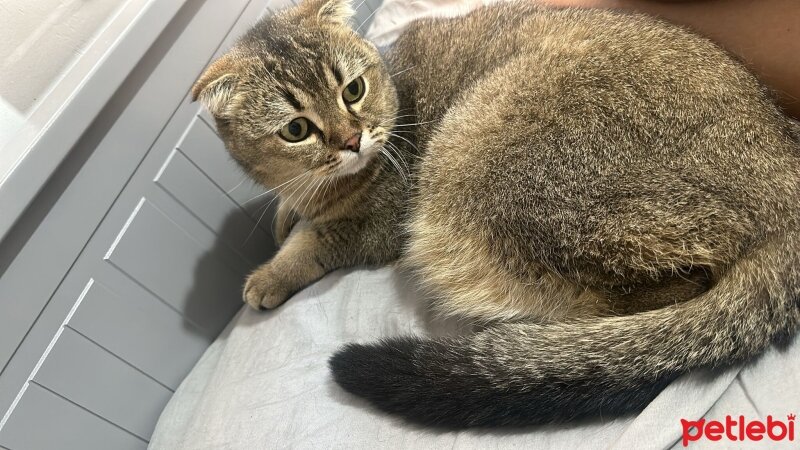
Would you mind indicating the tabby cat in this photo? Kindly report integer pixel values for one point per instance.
(613, 197)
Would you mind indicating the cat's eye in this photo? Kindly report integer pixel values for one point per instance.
(353, 91)
(296, 130)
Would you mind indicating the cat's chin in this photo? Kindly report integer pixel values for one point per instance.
(356, 162)
(353, 163)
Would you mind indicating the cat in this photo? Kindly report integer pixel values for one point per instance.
(612, 197)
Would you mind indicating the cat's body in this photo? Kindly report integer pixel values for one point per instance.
(566, 169)
(590, 169)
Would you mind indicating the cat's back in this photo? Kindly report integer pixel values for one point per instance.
(440, 58)
(590, 81)
(575, 124)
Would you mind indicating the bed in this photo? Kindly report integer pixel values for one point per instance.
(264, 382)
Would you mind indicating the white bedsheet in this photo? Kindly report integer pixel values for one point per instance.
(393, 15)
(264, 383)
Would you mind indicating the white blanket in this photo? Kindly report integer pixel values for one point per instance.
(393, 15)
(264, 383)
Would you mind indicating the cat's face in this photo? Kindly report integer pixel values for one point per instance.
(301, 93)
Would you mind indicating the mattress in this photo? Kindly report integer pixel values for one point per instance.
(264, 383)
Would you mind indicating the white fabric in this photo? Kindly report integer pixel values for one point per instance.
(394, 15)
(264, 383)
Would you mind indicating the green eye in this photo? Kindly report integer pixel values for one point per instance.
(353, 91)
(296, 130)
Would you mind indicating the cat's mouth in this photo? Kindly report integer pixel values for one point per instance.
(354, 162)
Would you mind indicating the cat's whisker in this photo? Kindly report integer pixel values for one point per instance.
(314, 193)
(402, 71)
(283, 224)
(403, 110)
(401, 116)
(414, 124)
(401, 137)
(289, 197)
(327, 187)
(256, 197)
(385, 152)
(359, 5)
(308, 188)
(297, 186)
(266, 208)
(389, 158)
(304, 187)
(389, 122)
(266, 204)
(273, 189)
(398, 154)
(402, 160)
(256, 225)
(409, 154)
(327, 183)
(366, 20)
(332, 169)
(274, 216)
(269, 203)
(311, 198)
(402, 153)
(228, 192)
(272, 226)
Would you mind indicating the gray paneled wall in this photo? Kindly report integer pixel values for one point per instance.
(153, 285)
(139, 263)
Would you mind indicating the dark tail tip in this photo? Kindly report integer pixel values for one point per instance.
(426, 382)
(378, 372)
(447, 385)
(388, 374)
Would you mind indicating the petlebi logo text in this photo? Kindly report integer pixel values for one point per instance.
(735, 429)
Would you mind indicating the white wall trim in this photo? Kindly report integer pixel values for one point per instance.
(85, 89)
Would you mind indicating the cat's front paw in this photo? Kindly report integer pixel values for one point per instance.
(264, 290)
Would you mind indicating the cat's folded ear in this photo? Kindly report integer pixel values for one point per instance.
(332, 11)
(216, 86)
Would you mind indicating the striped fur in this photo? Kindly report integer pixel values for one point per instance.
(613, 197)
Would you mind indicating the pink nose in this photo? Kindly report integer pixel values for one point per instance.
(354, 143)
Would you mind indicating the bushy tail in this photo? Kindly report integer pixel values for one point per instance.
(524, 373)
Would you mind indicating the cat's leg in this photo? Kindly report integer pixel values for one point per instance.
(311, 251)
(285, 219)
(295, 266)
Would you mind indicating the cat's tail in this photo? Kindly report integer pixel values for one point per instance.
(524, 373)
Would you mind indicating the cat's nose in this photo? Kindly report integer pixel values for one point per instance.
(354, 143)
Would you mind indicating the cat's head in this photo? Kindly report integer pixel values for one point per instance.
(301, 92)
